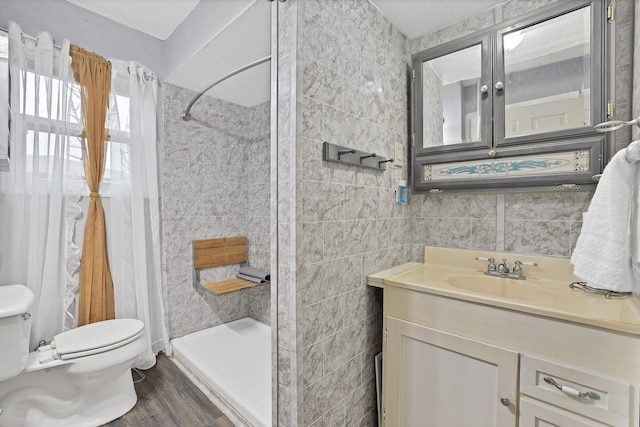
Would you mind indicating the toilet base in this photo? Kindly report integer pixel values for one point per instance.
(48, 399)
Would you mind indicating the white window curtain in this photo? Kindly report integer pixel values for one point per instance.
(133, 222)
(43, 197)
(34, 195)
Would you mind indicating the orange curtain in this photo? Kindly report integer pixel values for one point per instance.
(93, 74)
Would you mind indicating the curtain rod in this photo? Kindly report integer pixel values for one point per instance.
(186, 115)
(26, 36)
(34, 39)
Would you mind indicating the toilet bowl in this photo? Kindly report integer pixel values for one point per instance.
(82, 378)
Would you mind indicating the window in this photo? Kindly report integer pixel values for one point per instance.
(53, 128)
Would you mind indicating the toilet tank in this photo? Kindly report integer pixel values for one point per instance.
(15, 328)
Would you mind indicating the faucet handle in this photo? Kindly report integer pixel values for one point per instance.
(517, 268)
(492, 262)
(532, 264)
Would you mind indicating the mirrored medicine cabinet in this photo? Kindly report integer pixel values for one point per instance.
(513, 105)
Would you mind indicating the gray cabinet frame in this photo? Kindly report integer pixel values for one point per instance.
(493, 116)
(482, 39)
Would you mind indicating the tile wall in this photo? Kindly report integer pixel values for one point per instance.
(348, 71)
(623, 30)
(343, 79)
(215, 183)
(284, 175)
(531, 223)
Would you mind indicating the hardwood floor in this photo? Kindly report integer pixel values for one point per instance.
(166, 398)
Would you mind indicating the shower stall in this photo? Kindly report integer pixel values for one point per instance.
(233, 360)
(216, 172)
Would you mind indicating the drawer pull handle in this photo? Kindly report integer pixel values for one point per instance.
(572, 391)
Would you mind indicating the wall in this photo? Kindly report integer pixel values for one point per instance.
(344, 80)
(109, 39)
(64, 20)
(347, 68)
(284, 39)
(622, 85)
(531, 223)
(215, 183)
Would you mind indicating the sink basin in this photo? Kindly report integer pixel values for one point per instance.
(456, 274)
(522, 290)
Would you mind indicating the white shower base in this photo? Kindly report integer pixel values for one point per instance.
(234, 360)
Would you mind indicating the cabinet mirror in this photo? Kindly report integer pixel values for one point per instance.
(450, 84)
(454, 102)
(547, 75)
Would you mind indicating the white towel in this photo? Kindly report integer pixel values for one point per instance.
(602, 256)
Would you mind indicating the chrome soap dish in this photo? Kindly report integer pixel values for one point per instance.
(582, 286)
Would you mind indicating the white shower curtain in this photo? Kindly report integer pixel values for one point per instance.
(133, 223)
(40, 199)
(33, 196)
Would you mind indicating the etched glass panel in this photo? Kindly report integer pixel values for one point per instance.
(543, 164)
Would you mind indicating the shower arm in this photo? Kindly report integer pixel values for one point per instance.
(186, 115)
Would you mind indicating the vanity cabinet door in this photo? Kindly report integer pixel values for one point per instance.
(433, 378)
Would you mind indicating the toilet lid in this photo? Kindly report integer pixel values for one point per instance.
(96, 337)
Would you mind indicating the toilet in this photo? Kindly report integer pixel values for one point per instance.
(82, 378)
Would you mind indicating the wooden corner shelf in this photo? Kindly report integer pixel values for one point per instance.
(227, 286)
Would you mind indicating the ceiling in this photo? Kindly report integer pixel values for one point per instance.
(415, 18)
(158, 18)
(246, 40)
(246, 35)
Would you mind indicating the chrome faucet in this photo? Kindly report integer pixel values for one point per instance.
(502, 270)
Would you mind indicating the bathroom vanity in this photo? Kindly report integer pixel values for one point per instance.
(464, 348)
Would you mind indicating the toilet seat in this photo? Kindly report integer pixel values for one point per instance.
(96, 338)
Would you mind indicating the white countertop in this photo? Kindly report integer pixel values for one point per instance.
(455, 273)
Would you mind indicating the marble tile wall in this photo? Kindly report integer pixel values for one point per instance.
(284, 175)
(215, 183)
(343, 77)
(353, 67)
(544, 223)
(623, 80)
